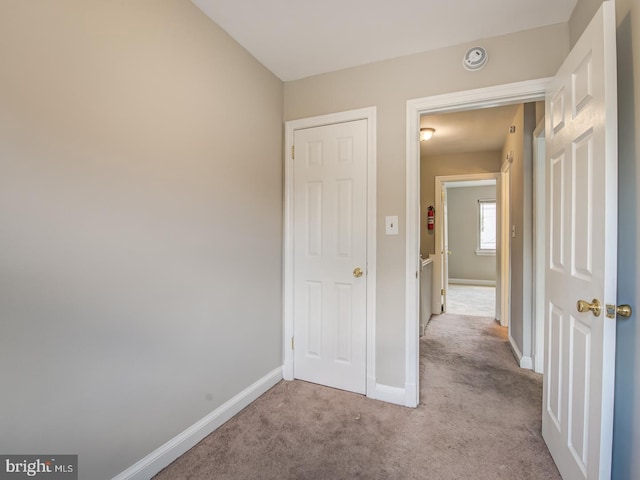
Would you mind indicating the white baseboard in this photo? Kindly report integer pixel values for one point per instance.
(411, 398)
(465, 281)
(161, 457)
(524, 362)
(388, 394)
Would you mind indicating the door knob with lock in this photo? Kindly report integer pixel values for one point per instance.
(624, 311)
(593, 307)
(357, 272)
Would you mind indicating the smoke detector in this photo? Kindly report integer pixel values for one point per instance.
(475, 58)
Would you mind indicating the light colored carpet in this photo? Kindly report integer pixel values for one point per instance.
(479, 418)
(472, 300)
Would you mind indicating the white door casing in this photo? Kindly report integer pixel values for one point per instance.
(581, 203)
(539, 229)
(445, 249)
(441, 260)
(507, 94)
(329, 313)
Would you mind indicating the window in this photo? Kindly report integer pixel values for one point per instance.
(486, 227)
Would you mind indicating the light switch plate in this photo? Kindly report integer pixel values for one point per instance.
(391, 225)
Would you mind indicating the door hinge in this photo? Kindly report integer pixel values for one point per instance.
(293, 343)
(416, 274)
(443, 292)
(293, 152)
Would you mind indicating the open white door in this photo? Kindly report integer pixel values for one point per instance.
(581, 209)
(441, 265)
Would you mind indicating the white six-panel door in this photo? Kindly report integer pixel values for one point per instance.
(581, 202)
(330, 242)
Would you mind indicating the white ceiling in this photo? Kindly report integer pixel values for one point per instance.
(479, 130)
(299, 38)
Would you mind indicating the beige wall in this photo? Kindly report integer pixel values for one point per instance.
(388, 85)
(432, 166)
(580, 18)
(521, 219)
(462, 213)
(140, 225)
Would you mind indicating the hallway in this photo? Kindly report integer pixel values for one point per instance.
(479, 417)
(491, 408)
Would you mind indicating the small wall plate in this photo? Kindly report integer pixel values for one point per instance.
(475, 58)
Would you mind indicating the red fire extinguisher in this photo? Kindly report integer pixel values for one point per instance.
(431, 217)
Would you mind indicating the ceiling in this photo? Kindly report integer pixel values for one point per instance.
(479, 130)
(299, 38)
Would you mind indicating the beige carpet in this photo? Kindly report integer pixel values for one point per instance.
(479, 418)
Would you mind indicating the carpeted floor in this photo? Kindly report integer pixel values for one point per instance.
(476, 300)
(479, 418)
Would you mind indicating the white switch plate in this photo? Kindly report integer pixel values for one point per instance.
(391, 225)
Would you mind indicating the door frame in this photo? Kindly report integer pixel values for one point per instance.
(503, 309)
(441, 183)
(519, 92)
(368, 114)
(539, 233)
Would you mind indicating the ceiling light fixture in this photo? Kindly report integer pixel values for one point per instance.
(426, 134)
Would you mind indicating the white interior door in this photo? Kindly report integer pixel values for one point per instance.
(581, 195)
(330, 242)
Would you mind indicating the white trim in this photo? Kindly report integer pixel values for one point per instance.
(514, 349)
(471, 281)
(527, 363)
(443, 182)
(412, 259)
(539, 248)
(519, 92)
(388, 394)
(178, 445)
(370, 115)
(523, 362)
(485, 252)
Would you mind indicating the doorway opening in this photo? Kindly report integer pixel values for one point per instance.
(469, 246)
(522, 92)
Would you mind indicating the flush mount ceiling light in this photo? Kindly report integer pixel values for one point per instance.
(426, 134)
(475, 58)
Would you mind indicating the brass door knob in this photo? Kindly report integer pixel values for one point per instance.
(593, 307)
(624, 311)
(357, 272)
